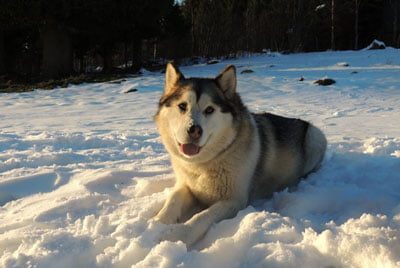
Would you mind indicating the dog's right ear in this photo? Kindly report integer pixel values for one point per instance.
(226, 81)
(172, 77)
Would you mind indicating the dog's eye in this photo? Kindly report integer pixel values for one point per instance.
(209, 110)
(182, 106)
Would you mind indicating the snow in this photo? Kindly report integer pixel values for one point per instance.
(83, 170)
(375, 44)
(319, 7)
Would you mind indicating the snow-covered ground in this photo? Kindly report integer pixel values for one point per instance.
(82, 170)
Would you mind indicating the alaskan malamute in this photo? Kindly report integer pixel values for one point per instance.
(224, 156)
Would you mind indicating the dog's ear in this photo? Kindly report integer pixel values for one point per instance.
(172, 77)
(226, 81)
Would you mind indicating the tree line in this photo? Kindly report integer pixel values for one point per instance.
(56, 38)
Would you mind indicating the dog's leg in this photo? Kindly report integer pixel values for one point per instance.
(179, 201)
(201, 222)
(193, 229)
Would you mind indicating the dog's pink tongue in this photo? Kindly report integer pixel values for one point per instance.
(190, 149)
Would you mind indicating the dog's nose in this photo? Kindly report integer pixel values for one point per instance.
(195, 132)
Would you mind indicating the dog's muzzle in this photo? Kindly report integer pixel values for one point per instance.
(194, 132)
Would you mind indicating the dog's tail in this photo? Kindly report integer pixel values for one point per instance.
(314, 147)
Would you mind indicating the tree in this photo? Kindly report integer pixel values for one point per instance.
(16, 33)
(391, 22)
(356, 21)
(52, 19)
(2, 53)
(333, 25)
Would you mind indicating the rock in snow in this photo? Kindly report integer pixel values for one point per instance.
(325, 82)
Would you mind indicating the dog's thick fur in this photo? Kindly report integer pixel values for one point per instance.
(225, 156)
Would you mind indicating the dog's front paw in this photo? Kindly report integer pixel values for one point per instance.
(165, 218)
(178, 232)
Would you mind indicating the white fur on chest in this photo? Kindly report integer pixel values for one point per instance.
(213, 184)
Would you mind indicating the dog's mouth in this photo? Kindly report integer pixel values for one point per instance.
(189, 149)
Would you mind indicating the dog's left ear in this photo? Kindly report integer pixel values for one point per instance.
(226, 81)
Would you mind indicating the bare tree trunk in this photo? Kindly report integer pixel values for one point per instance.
(2, 54)
(357, 8)
(155, 50)
(395, 21)
(356, 32)
(333, 25)
(82, 67)
(136, 55)
(57, 51)
(106, 54)
(126, 55)
(193, 30)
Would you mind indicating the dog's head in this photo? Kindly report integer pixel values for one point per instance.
(198, 118)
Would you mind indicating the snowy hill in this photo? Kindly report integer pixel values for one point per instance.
(82, 170)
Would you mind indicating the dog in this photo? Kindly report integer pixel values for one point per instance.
(224, 156)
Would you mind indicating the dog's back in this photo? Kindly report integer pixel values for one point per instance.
(290, 149)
